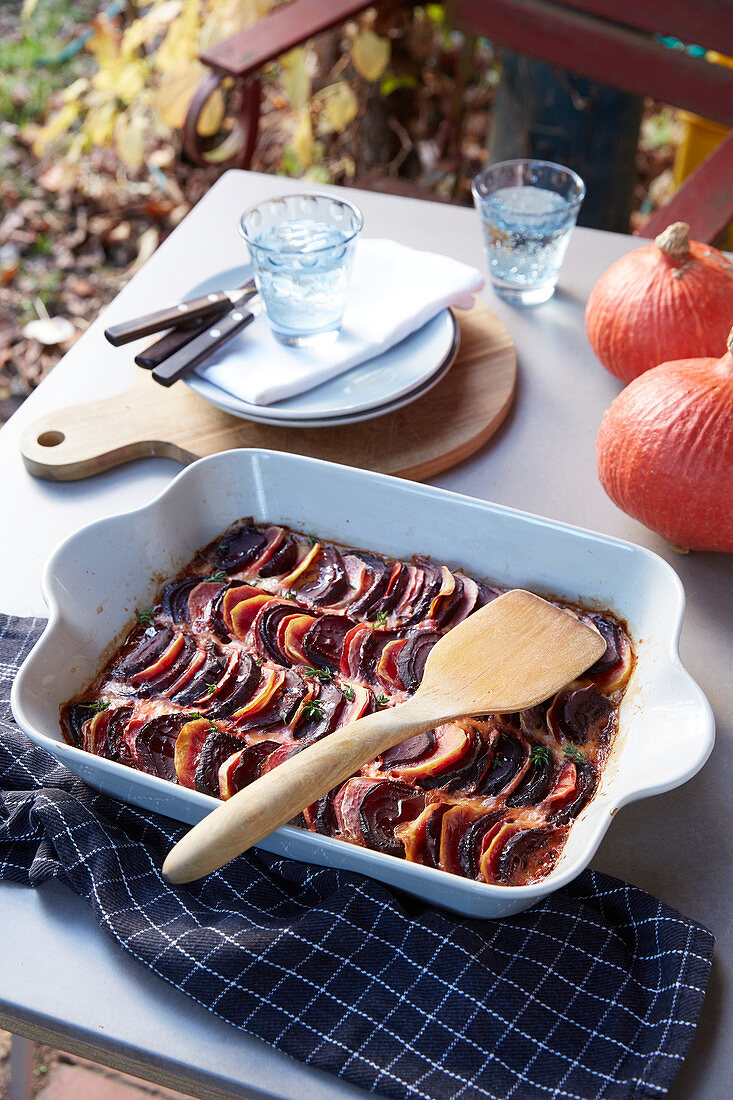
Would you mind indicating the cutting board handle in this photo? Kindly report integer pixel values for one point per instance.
(80, 440)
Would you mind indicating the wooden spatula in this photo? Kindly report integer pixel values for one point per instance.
(510, 655)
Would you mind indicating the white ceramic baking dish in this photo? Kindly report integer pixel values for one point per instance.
(98, 577)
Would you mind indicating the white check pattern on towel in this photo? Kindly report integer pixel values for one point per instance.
(394, 291)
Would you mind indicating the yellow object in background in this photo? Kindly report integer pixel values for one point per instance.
(700, 137)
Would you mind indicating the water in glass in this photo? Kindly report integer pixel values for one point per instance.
(526, 232)
(302, 274)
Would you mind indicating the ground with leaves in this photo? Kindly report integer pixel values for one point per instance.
(74, 228)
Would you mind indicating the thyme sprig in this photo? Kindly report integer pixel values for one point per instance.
(323, 675)
(220, 576)
(573, 753)
(312, 709)
(145, 615)
(540, 754)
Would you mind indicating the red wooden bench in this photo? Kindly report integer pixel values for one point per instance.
(611, 41)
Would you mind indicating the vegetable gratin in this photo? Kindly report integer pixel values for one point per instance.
(270, 640)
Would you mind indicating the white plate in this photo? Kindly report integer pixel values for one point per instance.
(261, 413)
(397, 373)
(102, 573)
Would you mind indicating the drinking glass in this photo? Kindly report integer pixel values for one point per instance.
(528, 209)
(302, 251)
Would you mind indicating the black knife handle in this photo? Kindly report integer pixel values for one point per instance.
(203, 346)
(176, 339)
(195, 309)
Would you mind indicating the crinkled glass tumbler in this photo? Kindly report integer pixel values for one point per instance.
(528, 209)
(302, 251)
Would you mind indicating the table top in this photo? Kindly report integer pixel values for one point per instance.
(542, 460)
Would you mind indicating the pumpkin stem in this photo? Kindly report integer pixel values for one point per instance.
(675, 240)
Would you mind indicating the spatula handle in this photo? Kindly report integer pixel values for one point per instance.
(276, 797)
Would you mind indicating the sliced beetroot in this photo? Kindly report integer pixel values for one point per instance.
(534, 786)
(217, 748)
(238, 691)
(211, 671)
(575, 715)
(324, 641)
(586, 781)
(533, 721)
(398, 581)
(431, 587)
(454, 748)
(526, 853)
(385, 806)
(328, 582)
(464, 606)
(72, 720)
(321, 715)
(104, 734)
(155, 744)
(320, 817)
(378, 576)
(265, 627)
(282, 561)
(469, 846)
(409, 751)
(433, 829)
(414, 654)
(117, 747)
(353, 641)
(188, 748)
(274, 537)
(281, 707)
(486, 594)
(610, 631)
(172, 673)
(250, 763)
(174, 602)
(456, 820)
(144, 646)
(507, 756)
(448, 605)
(465, 768)
(370, 653)
(421, 836)
(201, 602)
(216, 615)
(239, 548)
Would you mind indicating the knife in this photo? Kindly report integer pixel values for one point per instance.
(176, 339)
(195, 309)
(203, 346)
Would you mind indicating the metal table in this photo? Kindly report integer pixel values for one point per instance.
(62, 979)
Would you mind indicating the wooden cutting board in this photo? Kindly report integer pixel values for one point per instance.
(433, 433)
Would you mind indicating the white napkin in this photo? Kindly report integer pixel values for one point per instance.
(394, 290)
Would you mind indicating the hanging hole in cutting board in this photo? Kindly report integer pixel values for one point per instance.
(51, 439)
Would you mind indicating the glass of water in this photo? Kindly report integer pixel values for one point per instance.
(302, 251)
(528, 209)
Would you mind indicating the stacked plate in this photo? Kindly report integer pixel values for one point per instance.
(380, 386)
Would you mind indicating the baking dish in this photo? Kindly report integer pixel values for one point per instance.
(98, 577)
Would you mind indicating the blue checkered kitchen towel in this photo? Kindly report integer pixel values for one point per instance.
(594, 993)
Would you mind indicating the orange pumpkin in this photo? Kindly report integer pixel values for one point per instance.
(665, 451)
(668, 300)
